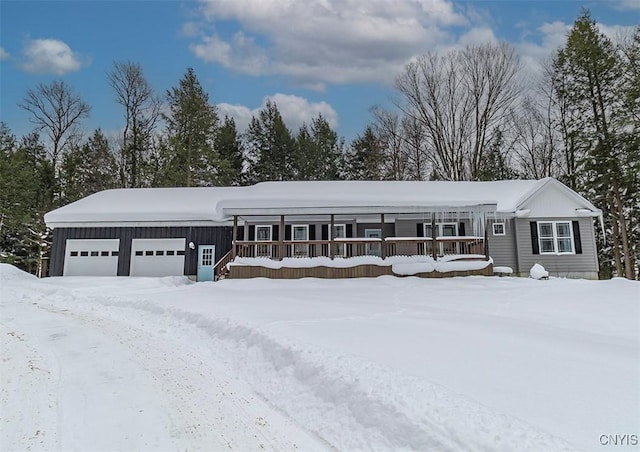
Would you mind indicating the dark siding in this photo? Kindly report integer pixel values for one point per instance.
(199, 235)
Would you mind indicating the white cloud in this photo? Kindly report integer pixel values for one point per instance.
(3, 54)
(295, 111)
(627, 5)
(50, 56)
(324, 41)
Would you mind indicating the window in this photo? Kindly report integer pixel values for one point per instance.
(114, 253)
(170, 253)
(300, 233)
(94, 253)
(442, 230)
(207, 257)
(263, 234)
(339, 232)
(84, 253)
(104, 253)
(498, 229)
(148, 253)
(74, 254)
(555, 237)
(138, 253)
(160, 253)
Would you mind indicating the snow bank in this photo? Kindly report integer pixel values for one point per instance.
(11, 274)
(401, 265)
(503, 270)
(538, 272)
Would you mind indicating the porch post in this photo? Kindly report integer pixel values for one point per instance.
(331, 243)
(434, 244)
(486, 238)
(382, 242)
(233, 239)
(281, 237)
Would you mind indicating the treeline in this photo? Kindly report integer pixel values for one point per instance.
(469, 114)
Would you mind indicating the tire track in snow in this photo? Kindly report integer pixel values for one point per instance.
(207, 410)
(352, 409)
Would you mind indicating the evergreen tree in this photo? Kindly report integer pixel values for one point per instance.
(495, 166)
(191, 129)
(365, 159)
(270, 147)
(588, 72)
(26, 193)
(88, 169)
(318, 151)
(229, 148)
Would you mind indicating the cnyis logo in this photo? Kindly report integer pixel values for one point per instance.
(619, 440)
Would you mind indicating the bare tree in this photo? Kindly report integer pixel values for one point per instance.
(56, 110)
(460, 98)
(388, 127)
(141, 111)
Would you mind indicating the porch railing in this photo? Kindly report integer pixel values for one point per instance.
(352, 247)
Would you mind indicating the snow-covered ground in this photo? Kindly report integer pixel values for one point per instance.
(476, 363)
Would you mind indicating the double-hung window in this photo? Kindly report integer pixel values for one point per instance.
(555, 237)
(263, 234)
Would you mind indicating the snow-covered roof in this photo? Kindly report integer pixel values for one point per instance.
(217, 204)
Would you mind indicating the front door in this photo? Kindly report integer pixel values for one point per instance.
(375, 248)
(206, 262)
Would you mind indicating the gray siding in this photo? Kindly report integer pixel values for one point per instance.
(565, 265)
(502, 248)
(218, 236)
(389, 229)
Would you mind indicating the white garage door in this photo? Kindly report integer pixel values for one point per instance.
(91, 257)
(157, 257)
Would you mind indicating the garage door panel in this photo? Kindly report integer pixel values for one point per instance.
(91, 257)
(157, 257)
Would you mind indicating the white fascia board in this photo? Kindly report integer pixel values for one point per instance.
(135, 224)
(355, 210)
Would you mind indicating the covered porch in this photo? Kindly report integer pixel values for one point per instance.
(339, 235)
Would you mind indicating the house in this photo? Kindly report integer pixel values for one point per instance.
(197, 231)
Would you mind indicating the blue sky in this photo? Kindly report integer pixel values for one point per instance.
(335, 57)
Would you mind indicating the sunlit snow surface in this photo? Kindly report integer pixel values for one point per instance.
(476, 363)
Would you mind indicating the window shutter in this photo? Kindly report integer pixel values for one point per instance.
(287, 232)
(349, 231)
(419, 229)
(534, 237)
(312, 232)
(252, 232)
(461, 229)
(325, 232)
(275, 230)
(577, 243)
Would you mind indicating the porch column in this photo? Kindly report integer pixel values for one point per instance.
(281, 237)
(331, 243)
(434, 244)
(486, 238)
(382, 242)
(233, 238)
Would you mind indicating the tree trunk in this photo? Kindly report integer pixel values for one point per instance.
(623, 232)
(616, 235)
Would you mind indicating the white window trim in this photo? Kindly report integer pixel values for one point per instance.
(293, 236)
(439, 227)
(340, 248)
(258, 248)
(270, 232)
(554, 227)
(338, 225)
(504, 229)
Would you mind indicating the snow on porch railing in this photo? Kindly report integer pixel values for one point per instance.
(360, 246)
